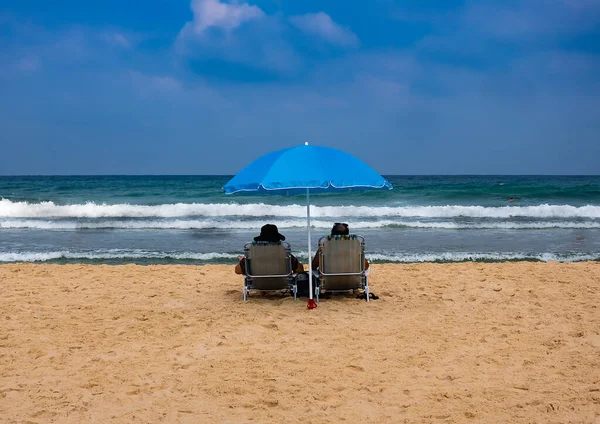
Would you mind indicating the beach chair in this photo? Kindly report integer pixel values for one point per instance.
(268, 267)
(342, 265)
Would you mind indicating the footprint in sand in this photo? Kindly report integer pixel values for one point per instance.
(271, 326)
(270, 402)
(356, 367)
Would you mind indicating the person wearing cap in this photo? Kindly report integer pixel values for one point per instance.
(270, 233)
(339, 229)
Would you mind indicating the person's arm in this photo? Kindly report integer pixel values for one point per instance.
(297, 265)
(238, 267)
(315, 261)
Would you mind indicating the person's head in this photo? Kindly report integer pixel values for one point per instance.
(340, 229)
(269, 232)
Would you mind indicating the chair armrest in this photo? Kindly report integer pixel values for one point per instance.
(272, 275)
(326, 274)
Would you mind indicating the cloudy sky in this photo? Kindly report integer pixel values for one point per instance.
(205, 86)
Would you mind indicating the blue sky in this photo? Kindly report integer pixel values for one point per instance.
(205, 86)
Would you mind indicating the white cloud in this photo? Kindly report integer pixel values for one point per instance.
(215, 14)
(321, 25)
(117, 39)
(260, 44)
(238, 32)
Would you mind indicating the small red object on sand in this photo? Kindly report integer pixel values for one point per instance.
(311, 304)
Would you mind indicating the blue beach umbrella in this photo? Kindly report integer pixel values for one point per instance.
(306, 169)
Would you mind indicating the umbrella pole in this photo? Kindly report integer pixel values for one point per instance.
(311, 302)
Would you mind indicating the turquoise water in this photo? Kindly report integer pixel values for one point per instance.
(187, 219)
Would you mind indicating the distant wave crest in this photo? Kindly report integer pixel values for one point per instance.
(197, 224)
(111, 255)
(10, 209)
(139, 256)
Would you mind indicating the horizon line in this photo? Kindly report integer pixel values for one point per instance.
(231, 175)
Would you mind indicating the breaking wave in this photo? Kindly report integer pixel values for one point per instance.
(197, 224)
(10, 209)
(112, 255)
(149, 257)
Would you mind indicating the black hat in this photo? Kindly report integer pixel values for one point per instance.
(269, 232)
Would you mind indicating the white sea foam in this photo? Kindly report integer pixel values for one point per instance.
(466, 256)
(186, 224)
(148, 256)
(402, 257)
(10, 209)
(181, 224)
(110, 255)
(496, 225)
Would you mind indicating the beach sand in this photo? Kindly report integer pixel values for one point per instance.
(469, 342)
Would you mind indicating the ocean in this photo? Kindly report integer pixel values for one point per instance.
(189, 220)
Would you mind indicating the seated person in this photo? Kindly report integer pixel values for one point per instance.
(339, 229)
(270, 233)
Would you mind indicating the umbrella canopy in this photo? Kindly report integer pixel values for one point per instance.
(305, 169)
(296, 169)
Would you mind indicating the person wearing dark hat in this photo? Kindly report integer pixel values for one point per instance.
(270, 233)
(338, 229)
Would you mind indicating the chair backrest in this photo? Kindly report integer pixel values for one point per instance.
(263, 260)
(342, 255)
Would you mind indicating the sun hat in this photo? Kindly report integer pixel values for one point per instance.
(269, 232)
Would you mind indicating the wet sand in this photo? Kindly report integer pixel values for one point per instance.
(469, 342)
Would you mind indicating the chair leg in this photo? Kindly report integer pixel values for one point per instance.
(317, 291)
(295, 291)
(245, 290)
(367, 289)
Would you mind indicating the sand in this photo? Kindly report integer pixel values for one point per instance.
(470, 342)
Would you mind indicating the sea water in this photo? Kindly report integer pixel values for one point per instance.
(188, 219)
